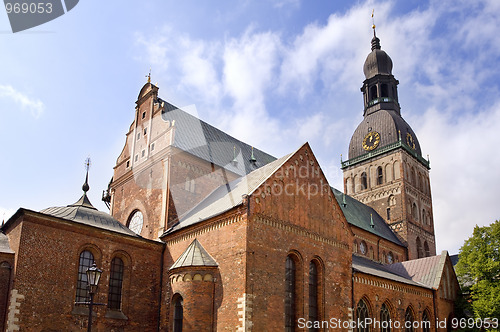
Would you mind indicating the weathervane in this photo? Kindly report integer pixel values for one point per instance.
(87, 164)
(85, 186)
(373, 20)
(149, 75)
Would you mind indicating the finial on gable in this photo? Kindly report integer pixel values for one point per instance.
(86, 186)
(252, 157)
(149, 75)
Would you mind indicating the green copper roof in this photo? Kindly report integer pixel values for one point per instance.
(384, 149)
(364, 217)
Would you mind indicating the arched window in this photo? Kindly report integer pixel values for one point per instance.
(414, 211)
(178, 313)
(413, 177)
(420, 254)
(388, 172)
(363, 248)
(422, 217)
(86, 261)
(397, 170)
(409, 320)
(349, 186)
(313, 293)
(390, 258)
(426, 322)
(362, 313)
(426, 249)
(385, 318)
(380, 175)
(290, 296)
(384, 91)
(373, 92)
(115, 284)
(364, 181)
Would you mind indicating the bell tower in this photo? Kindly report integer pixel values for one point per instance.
(385, 169)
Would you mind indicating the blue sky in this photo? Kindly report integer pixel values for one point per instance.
(274, 74)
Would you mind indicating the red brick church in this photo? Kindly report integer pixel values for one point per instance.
(206, 233)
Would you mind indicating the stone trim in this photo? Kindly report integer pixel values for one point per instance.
(300, 231)
(390, 286)
(204, 229)
(244, 304)
(15, 303)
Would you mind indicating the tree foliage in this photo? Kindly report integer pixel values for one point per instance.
(478, 271)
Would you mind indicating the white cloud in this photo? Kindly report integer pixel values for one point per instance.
(441, 55)
(464, 178)
(34, 106)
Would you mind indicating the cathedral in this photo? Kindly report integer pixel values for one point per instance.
(207, 233)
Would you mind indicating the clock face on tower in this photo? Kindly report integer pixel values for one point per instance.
(136, 222)
(410, 141)
(371, 141)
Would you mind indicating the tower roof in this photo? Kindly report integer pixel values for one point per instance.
(82, 211)
(377, 62)
(194, 255)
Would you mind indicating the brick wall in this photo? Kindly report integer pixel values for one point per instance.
(46, 274)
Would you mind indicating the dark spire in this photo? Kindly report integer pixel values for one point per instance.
(375, 40)
(84, 200)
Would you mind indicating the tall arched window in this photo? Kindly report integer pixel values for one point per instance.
(385, 318)
(426, 249)
(373, 92)
(86, 261)
(380, 175)
(290, 296)
(384, 91)
(420, 254)
(313, 293)
(409, 320)
(426, 322)
(115, 284)
(414, 211)
(178, 313)
(362, 313)
(364, 181)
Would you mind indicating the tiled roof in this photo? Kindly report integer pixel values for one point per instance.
(361, 215)
(211, 144)
(194, 255)
(4, 244)
(365, 265)
(83, 212)
(228, 196)
(427, 271)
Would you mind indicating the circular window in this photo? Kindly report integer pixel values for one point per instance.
(362, 247)
(136, 221)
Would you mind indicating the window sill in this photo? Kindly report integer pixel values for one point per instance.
(116, 314)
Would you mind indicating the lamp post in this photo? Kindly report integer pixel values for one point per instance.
(93, 276)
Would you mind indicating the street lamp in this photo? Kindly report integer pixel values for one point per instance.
(93, 276)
